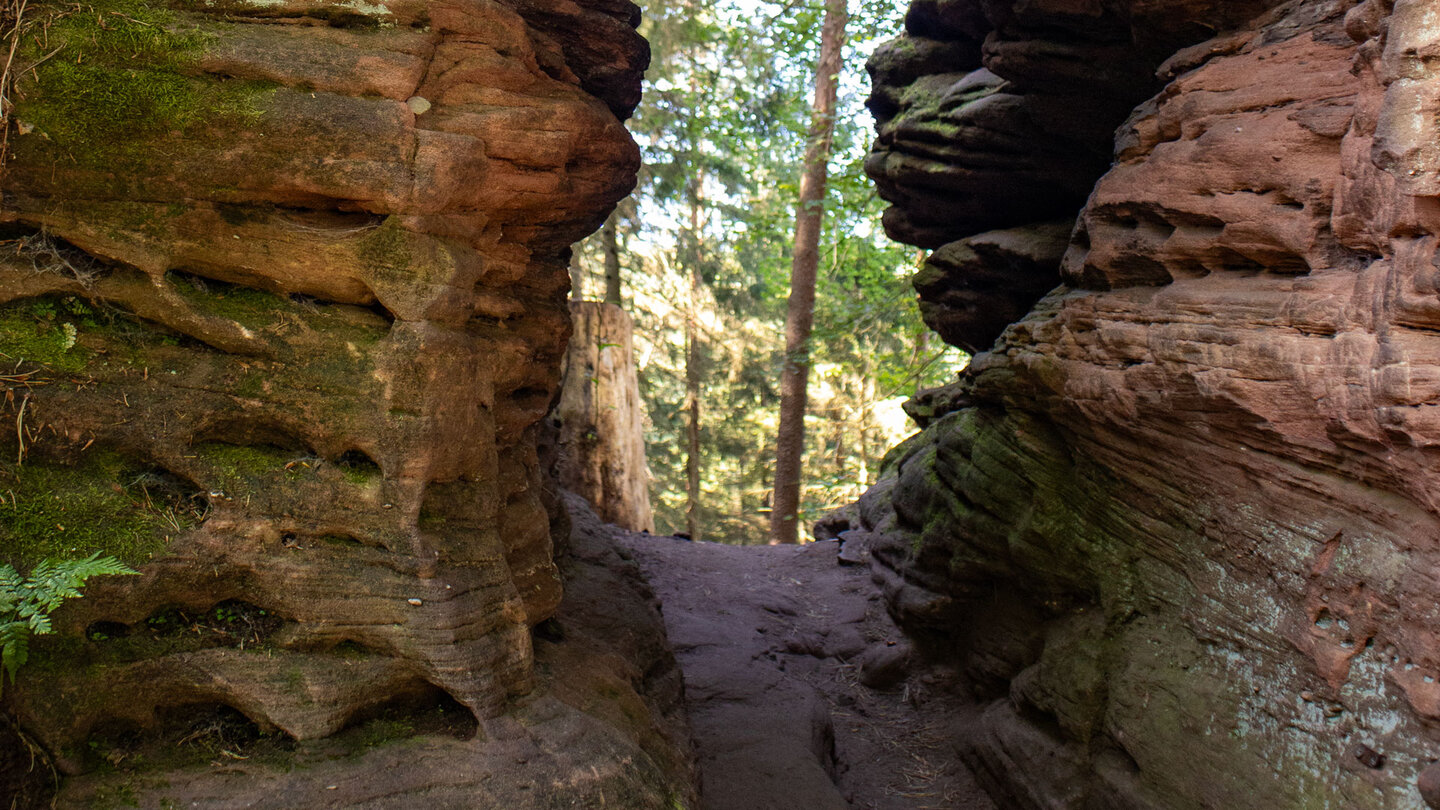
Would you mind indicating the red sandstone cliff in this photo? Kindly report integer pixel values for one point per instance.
(1178, 522)
(282, 304)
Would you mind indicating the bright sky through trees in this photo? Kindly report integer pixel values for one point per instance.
(722, 128)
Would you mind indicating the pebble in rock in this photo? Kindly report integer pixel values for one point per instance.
(1430, 785)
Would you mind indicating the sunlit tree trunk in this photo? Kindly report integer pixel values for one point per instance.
(577, 274)
(800, 313)
(610, 237)
(602, 441)
(867, 411)
(692, 368)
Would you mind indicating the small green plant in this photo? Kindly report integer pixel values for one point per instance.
(27, 602)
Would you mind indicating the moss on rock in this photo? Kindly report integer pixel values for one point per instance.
(102, 504)
(45, 331)
(121, 77)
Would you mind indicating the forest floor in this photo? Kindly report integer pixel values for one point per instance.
(801, 692)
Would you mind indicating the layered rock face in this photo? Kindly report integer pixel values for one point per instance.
(998, 116)
(283, 301)
(1178, 524)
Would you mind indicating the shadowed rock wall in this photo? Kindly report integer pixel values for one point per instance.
(999, 116)
(1177, 524)
(282, 300)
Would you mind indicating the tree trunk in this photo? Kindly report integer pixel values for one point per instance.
(577, 274)
(867, 417)
(611, 238)
(800, 313)
(692, 376)
(602, 441)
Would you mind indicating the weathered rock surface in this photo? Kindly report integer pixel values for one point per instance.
(282, 301)
(1177, 524)
(605, 727)
(971, 289)
(998, 115)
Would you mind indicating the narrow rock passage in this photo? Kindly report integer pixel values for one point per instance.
(775, 643)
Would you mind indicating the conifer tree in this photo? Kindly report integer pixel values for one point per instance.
(805, 261)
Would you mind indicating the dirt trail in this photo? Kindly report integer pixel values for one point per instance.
(777, 645)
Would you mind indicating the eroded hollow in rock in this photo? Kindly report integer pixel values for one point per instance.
(358, 465)
(231, 623)
(186, 734)
(423, 712)
(23, 245)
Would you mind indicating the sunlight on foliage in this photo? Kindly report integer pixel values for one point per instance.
(26, 602)
(722, 126)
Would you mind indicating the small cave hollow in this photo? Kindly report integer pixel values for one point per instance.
(180, 500)
(231, 623)
(246, 447)
(182, 733)
(358, 466)
(329, 221)
(424, 710)
(47, 254)
(348, 648)
(372, 316)
(190, 281)
(340, 539)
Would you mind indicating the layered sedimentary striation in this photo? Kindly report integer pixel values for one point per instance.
(1000, 116)
(282, 301)
(1177, 524)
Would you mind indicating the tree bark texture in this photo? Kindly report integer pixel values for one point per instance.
(800, 312)
(602, 440)
(692, 359)
(577, 274)
(692, 406)
(610, 236)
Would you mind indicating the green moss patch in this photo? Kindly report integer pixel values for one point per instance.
(246, 467)
(104, 504)
(247, 306)
(386, 250)
(70, 336)
(120, 78)
(260, 310)
(45, 331)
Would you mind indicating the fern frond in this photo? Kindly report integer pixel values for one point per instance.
(43, 570)
(39, 624)
(27, 602)
(14, 649)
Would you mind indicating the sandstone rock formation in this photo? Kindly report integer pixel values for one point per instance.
(998, 115)
(605, 727)
(283, 296)
(1178, 523)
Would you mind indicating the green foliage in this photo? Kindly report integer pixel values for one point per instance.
(723, 125)
(26, 602)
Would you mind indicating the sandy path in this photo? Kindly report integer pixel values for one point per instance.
(774, 643)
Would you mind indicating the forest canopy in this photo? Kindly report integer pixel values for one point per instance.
(706, 241)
